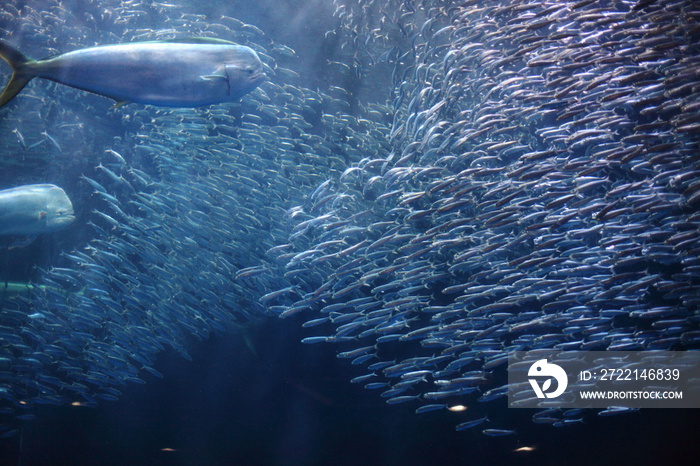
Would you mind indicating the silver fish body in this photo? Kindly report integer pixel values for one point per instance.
(188, 73)
(34, 209)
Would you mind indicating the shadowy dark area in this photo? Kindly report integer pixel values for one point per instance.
(292, 404)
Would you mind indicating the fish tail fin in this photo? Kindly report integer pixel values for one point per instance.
(21, 71)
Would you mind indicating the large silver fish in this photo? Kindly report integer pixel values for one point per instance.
(176, 73)
(31, 210)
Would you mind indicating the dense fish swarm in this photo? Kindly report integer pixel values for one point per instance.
(176, 208)
(540, 190)
(529, 182)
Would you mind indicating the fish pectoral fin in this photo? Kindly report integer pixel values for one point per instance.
(212, 77)
(119, 103)
(219, 74)
(22, 242)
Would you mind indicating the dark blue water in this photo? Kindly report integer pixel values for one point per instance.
(292, 405)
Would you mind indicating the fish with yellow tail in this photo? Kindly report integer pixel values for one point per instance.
(174, 73)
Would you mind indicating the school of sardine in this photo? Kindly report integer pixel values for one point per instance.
(528, 179)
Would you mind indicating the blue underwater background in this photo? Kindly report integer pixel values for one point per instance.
(419, 188)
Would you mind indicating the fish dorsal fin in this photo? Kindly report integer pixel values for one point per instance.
(199, 40)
